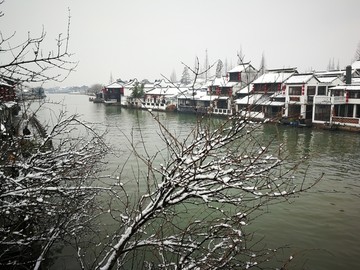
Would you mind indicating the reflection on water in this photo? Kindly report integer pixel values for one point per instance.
(320, 227)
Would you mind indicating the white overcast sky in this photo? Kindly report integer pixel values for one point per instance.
(147, 38)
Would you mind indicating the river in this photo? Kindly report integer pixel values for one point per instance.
(320, 228)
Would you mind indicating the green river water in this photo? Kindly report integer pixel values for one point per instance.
(321, 228)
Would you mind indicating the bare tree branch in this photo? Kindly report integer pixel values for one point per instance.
(29, 63)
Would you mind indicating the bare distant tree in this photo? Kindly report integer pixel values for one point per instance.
(240, 56)
(226, 67)
(262, 65)
(331, 64)
(219, 67)
(138, 91)
(95, 88)
(206, 66)
(357, 53)
(173, 78)
(185, 78)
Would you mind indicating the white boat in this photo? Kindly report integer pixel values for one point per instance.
(111, 102)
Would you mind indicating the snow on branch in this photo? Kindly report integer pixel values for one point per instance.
(47, 190)
(225, 173)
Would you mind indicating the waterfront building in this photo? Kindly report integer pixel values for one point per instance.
(8, 107)
(266, 95)
(112, 93)
(300, 90)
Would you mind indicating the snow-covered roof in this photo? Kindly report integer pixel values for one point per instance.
(326, 79)
(352, 87)
(167, 91)
(114, 85)
(275, 103)
(197, 85)
(188, 94)
(208, 98)
(330, 73)
(231, 84)
(10, 104)
(260, 99)
(356, 65)
(131, 83)
(273, 78)
(246, 90)
(253, 99)
(355, 80)
(218, 82)
(239, 68)
(278, 94)
(163, 83)
(299, 78)
(4, 83)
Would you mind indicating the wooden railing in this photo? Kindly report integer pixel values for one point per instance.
(345, 120)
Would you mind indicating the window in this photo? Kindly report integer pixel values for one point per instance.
(322, 112)
(295, 90)
(352, 94)
(311, 90)
(357, 111)
(349, 112)
(322, 91)
(338, 93)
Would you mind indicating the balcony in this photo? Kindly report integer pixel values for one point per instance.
(322, 100)
(338, 100)
(326, 100)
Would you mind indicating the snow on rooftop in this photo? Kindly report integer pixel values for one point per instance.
(114, 85)
(4, 83)
(246, 90)
(327, 79)
(188, 94)
(252, 99)
(330, 73)
(356, 65)
(219, 81)
(273, 78)
(231, 84)
(355, 80)
(278, 94)
(167, 91)
(208, 98)
(239, 68)
(353, 87)
(10, 104)
(299, 79)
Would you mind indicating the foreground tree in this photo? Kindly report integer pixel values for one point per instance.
(191, 209)
(198, 202)
(46, 194)
(46, 175)
(193, 205)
